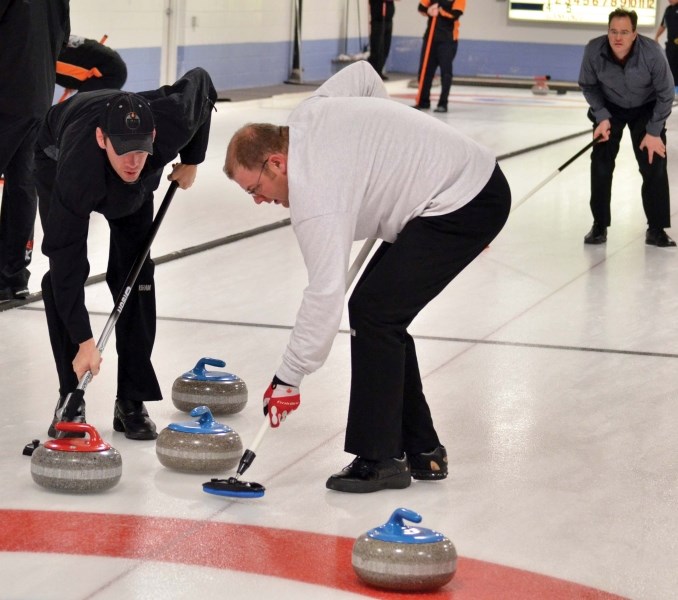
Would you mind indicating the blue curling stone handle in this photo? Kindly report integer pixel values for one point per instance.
(204, 424)
(395, 530)
(199, 373)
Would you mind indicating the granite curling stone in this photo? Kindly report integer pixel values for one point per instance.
(395, 556)
(541, 86)
(223, 393)
(76, 465)
(202, 446)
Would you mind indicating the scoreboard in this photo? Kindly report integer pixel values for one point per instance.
(580, 11)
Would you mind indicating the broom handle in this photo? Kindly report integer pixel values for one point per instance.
(358, 262)
(131, 279)
(535, 189)
(424, 64)
(350, 276)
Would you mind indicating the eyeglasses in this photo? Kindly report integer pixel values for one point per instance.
(253, 191)
(615, 33)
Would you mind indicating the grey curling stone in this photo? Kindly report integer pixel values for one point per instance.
(80, 465)
(395, 556)
(202, 446)
(223, 393)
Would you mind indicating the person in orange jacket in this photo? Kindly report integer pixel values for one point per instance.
(443, 17)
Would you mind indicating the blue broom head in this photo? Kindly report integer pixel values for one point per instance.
(233, 488)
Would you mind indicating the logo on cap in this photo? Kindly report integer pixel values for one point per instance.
(132, 120)
(128, 122)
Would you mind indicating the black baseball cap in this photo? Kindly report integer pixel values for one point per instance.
(128, 122)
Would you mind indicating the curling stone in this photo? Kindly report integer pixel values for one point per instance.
(77, 465)
(541, 87)
(202, 446)
(396, 556)
(223, 393)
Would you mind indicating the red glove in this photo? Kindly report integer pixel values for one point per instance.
(280, 400)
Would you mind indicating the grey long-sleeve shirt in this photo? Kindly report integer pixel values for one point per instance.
(644, 78)
(362, 166)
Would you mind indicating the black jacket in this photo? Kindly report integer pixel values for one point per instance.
(84, 181)
(31, 36)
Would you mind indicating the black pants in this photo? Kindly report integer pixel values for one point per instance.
(19, 198)
(388, 413)
(136, 325)
(380, 43)
(655, 187)
(672, 57)
(442, 53)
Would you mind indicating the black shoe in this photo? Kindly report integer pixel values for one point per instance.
(132, 419)
(429, 465)
(597, 235)
(9, 293)
(441, 109)
(53, 432)
(14, 287)
(422, 106)
(5, 289)
(19, 293)
(363, 476)
(656, 236)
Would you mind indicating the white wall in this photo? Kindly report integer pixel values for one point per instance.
(128, 23)
(488, 20)
(140, 23)
(229, 28)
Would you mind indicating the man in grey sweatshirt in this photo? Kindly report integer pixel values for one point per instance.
(627, 81)
(351, 164)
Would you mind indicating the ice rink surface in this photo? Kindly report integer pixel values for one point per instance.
(548, 364)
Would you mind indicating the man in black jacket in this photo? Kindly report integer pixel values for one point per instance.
(105, 151)
(669, 24)
(31, 36)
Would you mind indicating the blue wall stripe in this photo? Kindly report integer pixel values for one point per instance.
(143, 70)
(234, 66)
(474, 57)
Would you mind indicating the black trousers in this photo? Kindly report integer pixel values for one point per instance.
(388, 412)
(672, 57)
(380, 43)
(655, 188)
(442, 53)
(19, 198)
(136, 325)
